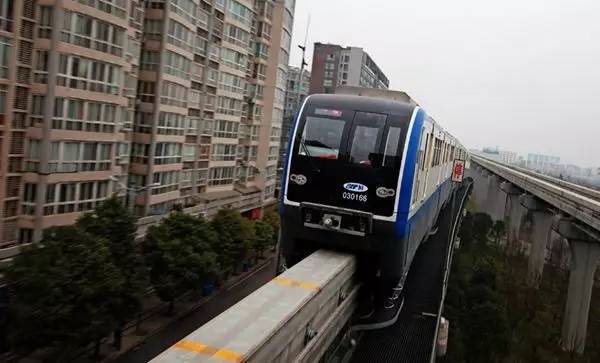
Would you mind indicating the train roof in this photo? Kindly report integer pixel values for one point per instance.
(362, 103)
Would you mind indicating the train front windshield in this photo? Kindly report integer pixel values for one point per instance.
(347, 158)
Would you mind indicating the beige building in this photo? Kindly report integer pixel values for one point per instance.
(168, 102)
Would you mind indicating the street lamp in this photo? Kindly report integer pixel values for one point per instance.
(132, 191)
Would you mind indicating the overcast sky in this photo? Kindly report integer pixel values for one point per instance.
(523, 75)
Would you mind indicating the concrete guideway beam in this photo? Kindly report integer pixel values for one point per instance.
(294, 317)
(585, 253)
(541, 230)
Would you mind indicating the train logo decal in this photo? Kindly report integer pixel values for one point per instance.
(356, 187)
(298, 179)
(383, 192)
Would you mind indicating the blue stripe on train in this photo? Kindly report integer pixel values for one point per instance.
(409, 171)
(408, 222)
(284, 176)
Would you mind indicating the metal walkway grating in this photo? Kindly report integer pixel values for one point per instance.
(411, 338)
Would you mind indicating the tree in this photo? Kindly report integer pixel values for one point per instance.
(466, 230)
(487, 334)
(482, 223)
(179, 254)
(235, 236)
(498, 231)
(112, 222)
(67, 290)
(263, 237)
(272, 218)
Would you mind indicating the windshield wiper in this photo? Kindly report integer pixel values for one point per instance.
(310, 157)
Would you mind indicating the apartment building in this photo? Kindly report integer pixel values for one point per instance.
(541, 162)
(171, 102)
(334, 65)
(297, 86)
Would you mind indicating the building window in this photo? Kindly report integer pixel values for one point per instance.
(45, 22)
(232, 83)
(88, 74)
(173, 94)
(264, 30)
(146, 91)
(74, 197)
(168, 180)
(239, 12)
(89, 32)
(179, 36)
(226, 129)
(233, 59)
(221, 176)
(150, 60)
(273, 152)
(170, 123)
(153, 29)
(29, 198)
(224, 152)
(72, 156)
(271, 173)
(250, 153)
(262, 50)
(229, 106)
(286, 40)
(139, 153)
(177, 65)
(184, 8)
(167, 153)
(5, 47)
(237, 36)
(40, 74)
(114, 7)
(80, 115)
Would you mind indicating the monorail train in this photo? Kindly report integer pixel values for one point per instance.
(364, 174)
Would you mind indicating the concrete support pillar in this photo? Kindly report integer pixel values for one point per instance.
(585, 253)
(513, 214)
(482, 194)
(541, 230)
(478, 187)
(496, 199)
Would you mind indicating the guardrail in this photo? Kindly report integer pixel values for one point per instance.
(580, 202)
(293, 318)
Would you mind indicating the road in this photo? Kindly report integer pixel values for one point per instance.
(177, 330)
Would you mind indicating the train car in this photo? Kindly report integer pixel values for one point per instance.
(367, 175)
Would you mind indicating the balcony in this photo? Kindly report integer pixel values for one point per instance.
(200, 45)
(209, 104)
(214, 51)
(194, 99)
(218, 28)
(197, 72)
(202, 20)
(212, 77)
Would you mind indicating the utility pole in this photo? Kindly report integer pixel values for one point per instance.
(304, 63)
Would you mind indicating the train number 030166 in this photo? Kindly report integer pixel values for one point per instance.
(354, 196)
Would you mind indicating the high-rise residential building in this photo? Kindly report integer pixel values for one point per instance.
(297, 85)
(179, 102)
(541, 162)
(334, 65)
(509, 157)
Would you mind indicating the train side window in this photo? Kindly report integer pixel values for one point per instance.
(390, 156)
